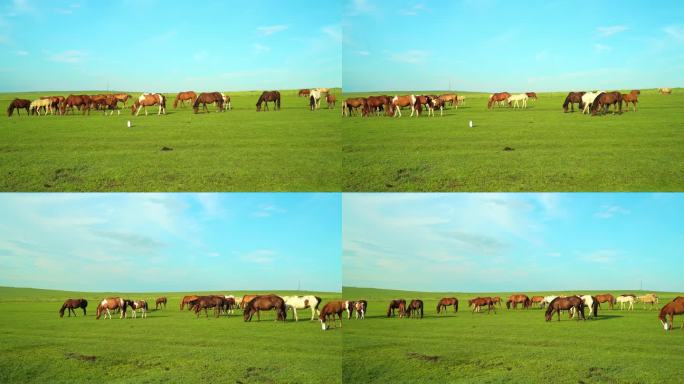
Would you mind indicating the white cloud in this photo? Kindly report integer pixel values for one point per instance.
(267, 210)
(611, 30)
(271, 29)
(609, 211)
(22, 53)
(70, 57)
(260, 256)
(601, 48)
(210, 204)
(410, 57)
(259, 48)
(674, 31)
(412, 11)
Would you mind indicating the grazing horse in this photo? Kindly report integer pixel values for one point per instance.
(665, 91)
(160, 302)
(589, 302)
(303, 302)
(398, 304)
(106, 102)
(147, 100)
(81, 102)
(245, 300)
(403, 101)
(518, 299)
(329, 311)
(304, 92)
(678, 299)
(415, 307)
(670, 309)
(446, 302)
(558, 304)
(421, 100)
(460, 100)
(331, 100)
(450, 98)
(55, 101)
(122, 98)
(267, 96)
(110, 304)
(138, 304)
(649, 298)
(531, 95)
(70, 304)
(208, 98)
(36, 105)
(606, 297)
(588, 100)
(206, 302)
(605, 100)
(265, 303)
(496, 300)
(18, 104)
(497, 98)
(571, 99)
(314, 99)
(632, 97)
(478, 302)
(189, 301)
(630, 299)
(226, 102)
(522, 97)
(350, 104)
(537, 299)
(182, 97)
(377, 103)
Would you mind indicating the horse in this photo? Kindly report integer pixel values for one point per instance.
(632, 97)
(331, 100)
(205, 98)
(522, 97)
(665, 91)
(400, 305)
(605, 100)
(571, 99)
(70, 304)
(437, 103)
(446, 302)
(588, 100)
(497, 98)
(122, 97)
(138, 304)
(402, 101)
(160, 302)
(630, 299)
(149, 99)
(18, 104)
(55, 101)
(304, 92)
(478, 302)
(450, 98)
(547, 300)
(184, 96)
(188, 300)
(418, 102)
(36, 105)
(537, 299)
(226, 102)
(266, 303)
(267, 96)
(81, 102)
(377, 103)
(314, 99)
(518, 299)
(670, 309)
(531, 95)
(303, 302)
(496, 300)
(321, 90)
(565, 303)
(678, 299)
(107, 102)
(245, 300)
(329, 311)
(350, 104)
(415, 307)
(360, 308)
(111, 303)
(606, 297)
(649, 298)
(589, 302)
(206, 302)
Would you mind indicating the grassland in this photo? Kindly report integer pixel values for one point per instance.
(516, 346)
(168, 346)
(551, 150)
(239, 150)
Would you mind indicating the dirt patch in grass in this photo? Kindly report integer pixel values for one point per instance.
(420, 356)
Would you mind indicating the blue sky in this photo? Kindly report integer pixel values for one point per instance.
(491, 45)
(171, 242)
(169, 45)
(513, 242)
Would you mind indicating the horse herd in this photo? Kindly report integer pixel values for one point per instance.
(391, 106)
(600, 102)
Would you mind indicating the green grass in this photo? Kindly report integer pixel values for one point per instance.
(239, 150)
(168, 346)
(509, 346)
(552, 150)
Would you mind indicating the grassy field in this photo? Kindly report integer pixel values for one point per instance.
(509, 346)
(551, 151)
(168, 346)
(239, 150)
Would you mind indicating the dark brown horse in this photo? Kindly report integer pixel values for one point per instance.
(18, 104)
(208, 98)
(670, 309)
(414, 308)
(497, 98)
(182, 97)
(398, 304)
(632, 97)
(70, 304)
(351, 104)
(531, 95)
(606, 297)
(81, 102)
(304, 92)
(265, 303)
(479, 302)
(267, 96)
(605, 100)
(378, 103)
(447, 302)
(514, 300)
(571, 99)
(331, 100)
(160, 302)
(329, 311)
(188, 300)
(206, 302)
(565, 303)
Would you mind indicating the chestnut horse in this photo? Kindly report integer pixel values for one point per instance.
(208, 98)
(400, 305)
(497, 98)
(631, 97)
(350, 104)
(188, 300)
(571, 99)
(149, 99)
(450, 98)
(606, 297)
(122, 97)
(378, 103)
(267, 96)
(415, 307)
(531, 95)
(304, 92)
(331, 100)
(246, 299)
(182, 97)
(478, 302)
(78, 101)
(671, 309)
(446, 302)
(160, 302)
(572, 303)
(206, 302)
(403, 101)
(496, 300)
(537, 299)
(18, 104)
(518, 299)
(266, 303)
(70, 304)
(605, 100)
(329, 311)
(108, 304)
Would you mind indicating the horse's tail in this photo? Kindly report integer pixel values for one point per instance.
(508, 304)
(278, 100)
(318, 302)
(456, 306)
(98, 311)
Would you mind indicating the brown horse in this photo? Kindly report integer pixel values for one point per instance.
(605, 100)
(246, 299)
(266, 303)
(378, 103)
(479, 302)
(70, 304)
(81, 102)
(606, 297)
(632, 97)
(531, 95)
(109, 304)
(331, 100)
(182, 97)
(106, 102)
(418, 103)
(208, 98)
(160, 302)
(360, 307)
(678, 299)
(670, 309)
(206, 302)
(138, 304)
(497, 98)
(18, 104)
(565, 303)
(398, 304)
(518, 299)
(350, 104)
(304, 92)
(329, 311)
(267, 96)
(537, 299)
(188, 300)
(147, 100)
(398, 102)
(122, 98)
(446, 302)
(415, 307)
(496, 300)
(450, 98)
(571, 99)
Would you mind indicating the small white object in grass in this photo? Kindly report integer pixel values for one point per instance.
(323, 326)
(129, 123)
(470, 123)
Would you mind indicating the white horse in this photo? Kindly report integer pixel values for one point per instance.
(303, 302)
(588, 99)
(626, 299)
(40, 103)
(316, 94)
(226, 101)
(649, 298)
(460, 100)
(521, 97)
(588, 301)
(547, 300)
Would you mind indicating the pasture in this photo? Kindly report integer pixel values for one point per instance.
(168, 346)
(239, 150)
(537, 149)
(509, 346)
